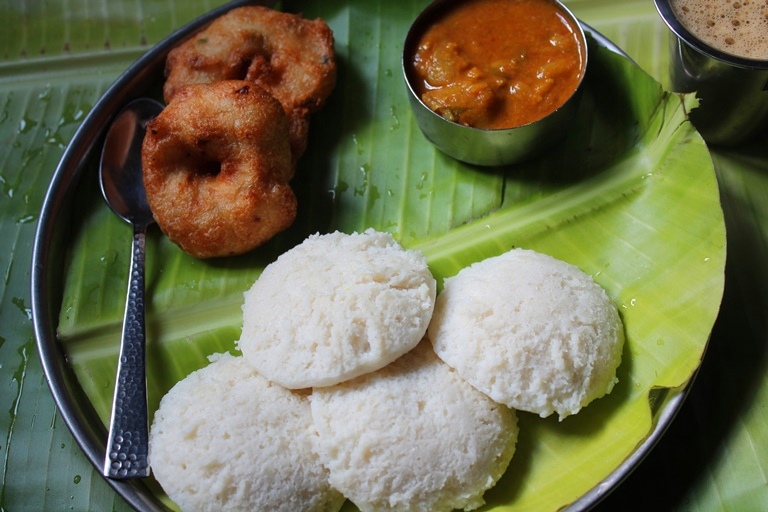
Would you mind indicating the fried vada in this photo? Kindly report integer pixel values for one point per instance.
(290, 57)
(216, 163)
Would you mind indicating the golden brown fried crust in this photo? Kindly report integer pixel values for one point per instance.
(290, 57)
(217, 162)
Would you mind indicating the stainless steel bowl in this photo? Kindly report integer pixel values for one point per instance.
(486, 147)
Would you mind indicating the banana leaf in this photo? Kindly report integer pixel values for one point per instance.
(629, 196)
(57, 58)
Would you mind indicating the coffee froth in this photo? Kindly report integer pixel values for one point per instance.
(735, 27)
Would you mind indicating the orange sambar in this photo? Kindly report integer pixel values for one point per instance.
(498, 64)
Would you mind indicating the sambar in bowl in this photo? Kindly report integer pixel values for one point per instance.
(492, 82)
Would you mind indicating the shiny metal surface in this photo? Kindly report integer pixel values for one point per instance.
(122, 186)
(480, 146)
(50, 245)
(733, 90)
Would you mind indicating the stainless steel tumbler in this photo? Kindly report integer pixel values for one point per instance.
(733, 91)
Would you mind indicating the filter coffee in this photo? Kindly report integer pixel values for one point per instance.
(735, 27)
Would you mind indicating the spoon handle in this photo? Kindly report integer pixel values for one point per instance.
(127, 444)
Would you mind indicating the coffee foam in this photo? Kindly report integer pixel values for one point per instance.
(734, 27)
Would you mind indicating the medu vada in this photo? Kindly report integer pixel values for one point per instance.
(216, 164)
(292, 58)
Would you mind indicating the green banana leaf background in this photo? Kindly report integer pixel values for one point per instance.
(631, 196)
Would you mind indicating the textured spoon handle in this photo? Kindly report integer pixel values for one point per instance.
(126, 455)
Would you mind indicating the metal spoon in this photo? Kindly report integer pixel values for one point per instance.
(122, 185)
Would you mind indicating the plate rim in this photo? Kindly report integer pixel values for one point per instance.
(76, 410)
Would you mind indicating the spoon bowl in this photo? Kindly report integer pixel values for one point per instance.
(121, 181)
(120, 175)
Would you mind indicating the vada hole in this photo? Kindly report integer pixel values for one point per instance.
(211, 168)
(241, 71)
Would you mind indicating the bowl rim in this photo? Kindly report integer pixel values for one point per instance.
(437, 8)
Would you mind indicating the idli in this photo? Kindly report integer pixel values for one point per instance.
(412, 436)
(226, 439)
(530, 331)
(335, 307)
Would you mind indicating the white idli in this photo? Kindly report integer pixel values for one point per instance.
(530, 331)
(412, 436)
(335, 307)
(227, 439)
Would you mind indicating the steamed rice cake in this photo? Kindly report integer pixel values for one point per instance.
(530, 331)
(412, 436)
(227, 439)
(335, 307)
